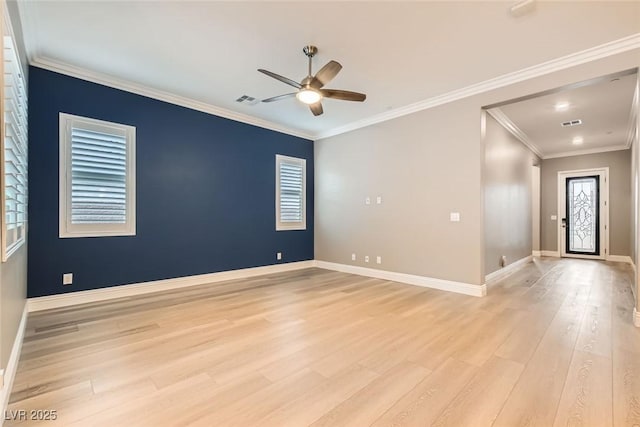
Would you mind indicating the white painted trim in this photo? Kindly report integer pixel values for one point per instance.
(514, 130)
(597, 52)
(636, 317)
(114, 82)
(536, 253)
(554, 254)
(12, 363)
(285, 226)
(427, 282)
(620, 258)
(103, 294)
(586, 151)
(507, 270)
(67, 229)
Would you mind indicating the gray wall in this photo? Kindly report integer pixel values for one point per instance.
(507, 197)
(619, 163)
(13, 273)
(424, 165)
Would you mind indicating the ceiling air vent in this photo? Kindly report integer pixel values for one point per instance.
(572, 123)
(246, 99)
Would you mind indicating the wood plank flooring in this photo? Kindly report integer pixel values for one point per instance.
(551, 345)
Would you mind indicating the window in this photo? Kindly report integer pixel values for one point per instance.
(97, 178)
(291, 184)
(14, 149)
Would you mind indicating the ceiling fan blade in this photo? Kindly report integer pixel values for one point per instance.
(343, 95)
(316, 108)
(279, 97)
(281, 78)
(326, 74)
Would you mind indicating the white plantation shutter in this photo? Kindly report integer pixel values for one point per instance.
(98, 177)
(98, 181)
(14, 141)
(291, 193)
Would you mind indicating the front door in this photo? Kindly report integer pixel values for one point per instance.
(583, 219)
(582, 222)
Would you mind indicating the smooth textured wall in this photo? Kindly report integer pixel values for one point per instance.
(619, 163)
(508, 188)
(414, 163)
(535, 206)
(205, 192)
(424, 165)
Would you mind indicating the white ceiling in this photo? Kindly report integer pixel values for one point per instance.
(398, 53)
(604, 107)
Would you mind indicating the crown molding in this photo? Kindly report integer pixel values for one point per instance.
(128, 86)
(586, 151)
(597, 52)
(506, 123)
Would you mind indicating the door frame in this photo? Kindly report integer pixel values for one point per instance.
(603, 172)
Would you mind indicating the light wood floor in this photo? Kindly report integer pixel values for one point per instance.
(551, 345)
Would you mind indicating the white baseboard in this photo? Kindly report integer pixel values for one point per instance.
(620, 258)
(536, 253)
(555, 254)
(507, 270)
(94, 295)
(636, 317)
(12, 363)
(427, 282)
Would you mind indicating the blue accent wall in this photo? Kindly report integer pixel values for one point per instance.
(205, 192)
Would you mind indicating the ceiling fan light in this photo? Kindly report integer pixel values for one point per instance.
(308, 96)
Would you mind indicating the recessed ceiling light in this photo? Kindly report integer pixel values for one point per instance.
(561, 106)
(577, 140)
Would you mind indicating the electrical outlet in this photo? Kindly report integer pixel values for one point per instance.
(379, 200)
(353, 257)
(67, 278)
(454, 216)
(279, 256)
(378, 260)
(366, 258)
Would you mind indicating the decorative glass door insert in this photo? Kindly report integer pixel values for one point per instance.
(583, 216)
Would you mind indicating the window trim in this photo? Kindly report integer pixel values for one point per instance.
(66, 228)
(302, 225)
(21, 131)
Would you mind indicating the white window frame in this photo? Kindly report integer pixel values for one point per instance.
(284, 226)
(67, 229)
(17, 98)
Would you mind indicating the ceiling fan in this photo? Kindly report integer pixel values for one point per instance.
(310, 89)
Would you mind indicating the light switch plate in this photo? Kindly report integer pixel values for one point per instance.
(454, 216)
(379, 200)
(554, 217)
(367, 200)
(353, 257)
